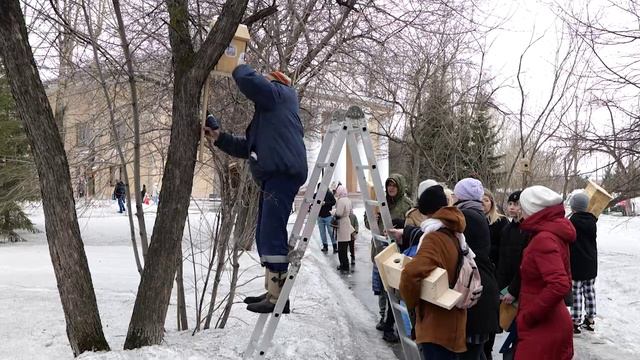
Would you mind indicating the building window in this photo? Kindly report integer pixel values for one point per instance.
(84, 134)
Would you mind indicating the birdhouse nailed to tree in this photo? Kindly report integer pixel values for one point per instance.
(235, 52)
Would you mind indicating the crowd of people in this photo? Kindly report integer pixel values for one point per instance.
(533, 261)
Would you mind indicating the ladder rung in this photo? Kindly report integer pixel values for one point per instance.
(323, 165)
(334, 129)
(380, 238)
(365, 167)
(372, 202)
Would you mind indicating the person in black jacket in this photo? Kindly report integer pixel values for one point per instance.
(584, 263)
(497, 222)
(513, 240)
(512, 244)
(324, 221)
(482, 319)
(119, 193)
(274, 146)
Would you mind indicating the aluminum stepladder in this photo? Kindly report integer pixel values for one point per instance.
(345, 129)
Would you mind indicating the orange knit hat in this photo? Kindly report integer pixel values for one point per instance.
(280, 77)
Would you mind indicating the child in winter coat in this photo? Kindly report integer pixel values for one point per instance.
(584, 263)
(354, 235)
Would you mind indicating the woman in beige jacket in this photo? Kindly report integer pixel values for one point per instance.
(344, 229)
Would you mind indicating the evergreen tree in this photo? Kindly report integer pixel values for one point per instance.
(479, 147)
(18, 178)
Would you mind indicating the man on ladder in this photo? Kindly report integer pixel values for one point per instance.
(273, 144)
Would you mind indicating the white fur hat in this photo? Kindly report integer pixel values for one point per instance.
(425, 185)
(537, 198)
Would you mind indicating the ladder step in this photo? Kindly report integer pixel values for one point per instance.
(380, 238)
(323, 165)
(399, 307)
(366, 167)
(334, 129)
(372, 202)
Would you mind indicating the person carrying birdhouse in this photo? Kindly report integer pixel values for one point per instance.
(273, 144)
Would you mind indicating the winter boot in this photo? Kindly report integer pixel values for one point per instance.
(335, 248)
(255, 299)
(380, 326)
(588, 324)
(275, 283)
(325, 248)
(390, 337)
(576, 329)
(353, 261)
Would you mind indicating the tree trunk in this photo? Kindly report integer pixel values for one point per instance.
(84, 328)
(136, 129)
(190, 71)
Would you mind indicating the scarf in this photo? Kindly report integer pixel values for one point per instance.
(430, 225)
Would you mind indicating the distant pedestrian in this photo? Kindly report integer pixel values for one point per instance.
(324, 221)
(354, 235)
(119, 194)
(344, 228)
(144, 191)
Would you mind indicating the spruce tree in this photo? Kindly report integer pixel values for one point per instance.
(18, 178)
(479, 146)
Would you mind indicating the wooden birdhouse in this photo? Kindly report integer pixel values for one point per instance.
(523, 165)
(435, 287)
(599, 198)
(235, 52)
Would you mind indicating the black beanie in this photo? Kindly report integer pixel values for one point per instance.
(432, 199)
(515, 196)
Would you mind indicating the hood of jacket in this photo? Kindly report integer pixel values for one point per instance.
(552, 220)
(400, 182)
(452, 218)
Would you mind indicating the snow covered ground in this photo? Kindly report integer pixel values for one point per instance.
(328, 320)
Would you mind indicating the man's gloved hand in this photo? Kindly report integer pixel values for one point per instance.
(211, 128)
(212, 123)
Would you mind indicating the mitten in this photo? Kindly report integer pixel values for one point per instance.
(212, 123)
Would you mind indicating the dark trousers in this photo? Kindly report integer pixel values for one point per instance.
(431, 351)
(389, 320)
(343, 247)
(352, 247)
(121, 203)
(276, 199)
(488, 347)
(474, 352)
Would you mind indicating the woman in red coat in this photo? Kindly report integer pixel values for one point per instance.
(544, 325)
